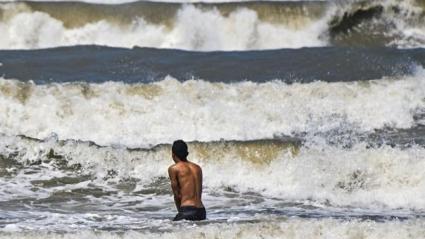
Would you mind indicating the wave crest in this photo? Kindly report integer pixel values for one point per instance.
(212, 26)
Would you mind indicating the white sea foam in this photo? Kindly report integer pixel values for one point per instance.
(192, 29)
(148, 114)
(371, 178)
(291, 228)
(412, 30)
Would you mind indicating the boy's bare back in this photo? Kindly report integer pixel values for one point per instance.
(189, 179)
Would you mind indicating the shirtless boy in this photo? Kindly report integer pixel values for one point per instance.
(186, 182)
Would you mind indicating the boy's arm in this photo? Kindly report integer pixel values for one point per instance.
(172, 173)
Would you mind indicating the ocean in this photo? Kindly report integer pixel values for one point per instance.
(307, 118)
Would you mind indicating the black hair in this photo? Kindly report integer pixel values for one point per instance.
(180, 149)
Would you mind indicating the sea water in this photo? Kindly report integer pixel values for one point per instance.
(307, 118)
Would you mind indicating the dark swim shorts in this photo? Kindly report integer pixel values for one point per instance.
(191, 213)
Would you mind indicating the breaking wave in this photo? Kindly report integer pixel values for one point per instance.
(212, 26)
(359, 176)
(149, 114)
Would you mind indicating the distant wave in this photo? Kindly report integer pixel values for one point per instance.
(213, 26)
